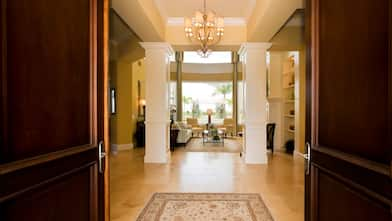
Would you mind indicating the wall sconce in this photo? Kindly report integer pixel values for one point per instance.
(142, 102)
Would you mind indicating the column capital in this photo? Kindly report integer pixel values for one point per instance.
(158, 46)
(253, 45)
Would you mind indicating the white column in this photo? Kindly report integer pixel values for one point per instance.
(253, 57)
(157, 101)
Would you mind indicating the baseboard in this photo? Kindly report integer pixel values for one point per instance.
(114, 148)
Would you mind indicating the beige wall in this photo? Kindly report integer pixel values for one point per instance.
(124, 51)
(121, 73)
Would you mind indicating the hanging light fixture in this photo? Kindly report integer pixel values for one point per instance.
(205, 28)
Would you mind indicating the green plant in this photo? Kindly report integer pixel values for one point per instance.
(224, 90)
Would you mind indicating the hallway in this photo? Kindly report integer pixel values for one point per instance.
(280, 183)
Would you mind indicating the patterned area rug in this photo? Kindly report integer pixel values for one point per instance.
(205, 207)
(231, 145)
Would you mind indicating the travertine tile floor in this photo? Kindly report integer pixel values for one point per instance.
(280, 182)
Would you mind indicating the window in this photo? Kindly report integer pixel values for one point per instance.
(199, 97)
(215, 57)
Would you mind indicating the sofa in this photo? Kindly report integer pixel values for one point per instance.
(184, 132)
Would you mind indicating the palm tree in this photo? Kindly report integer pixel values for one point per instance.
(223, 89)
(186, 100)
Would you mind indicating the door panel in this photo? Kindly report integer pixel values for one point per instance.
(353, 44)
(52, 76)
(349, 102)
(48, 76)
(339, 201)
(55, 196)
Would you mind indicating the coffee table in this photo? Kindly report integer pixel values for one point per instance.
(213, 136)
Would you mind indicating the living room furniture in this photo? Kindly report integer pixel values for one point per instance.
(228, 126)
(214, 135)
(270, 136)
(194, 124)
(184, 133)
(173, 138)
(140, 135)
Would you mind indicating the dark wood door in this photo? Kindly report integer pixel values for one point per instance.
(52, 109)
(350, 110)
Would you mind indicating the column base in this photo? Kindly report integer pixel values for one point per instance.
(157, 143)
(256, 146)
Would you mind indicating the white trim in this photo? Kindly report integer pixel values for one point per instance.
(158, 46)
(229, 21)
(235, 21)
(175, 21)
(114, 148)
(253, 45)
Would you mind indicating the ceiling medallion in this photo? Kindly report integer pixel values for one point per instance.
(206, 28)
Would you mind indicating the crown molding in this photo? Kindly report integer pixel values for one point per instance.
(158, 46)
(229, 21)
(254, 45)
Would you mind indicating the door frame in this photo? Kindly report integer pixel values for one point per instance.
(104, 105)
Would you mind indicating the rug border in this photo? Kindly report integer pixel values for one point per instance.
(152, 197)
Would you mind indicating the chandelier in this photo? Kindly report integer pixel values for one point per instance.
(205, 28)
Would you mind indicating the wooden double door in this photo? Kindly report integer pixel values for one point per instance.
(349, 110)
(52, 87)
(52, 110)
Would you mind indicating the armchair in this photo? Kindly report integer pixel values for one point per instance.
(228, 126)
(196, 128)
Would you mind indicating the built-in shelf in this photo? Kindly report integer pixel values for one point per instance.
(289, 116)
(291, 131)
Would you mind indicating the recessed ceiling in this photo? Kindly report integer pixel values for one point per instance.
(186, 8)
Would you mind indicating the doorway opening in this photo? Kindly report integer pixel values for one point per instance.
(212, 94)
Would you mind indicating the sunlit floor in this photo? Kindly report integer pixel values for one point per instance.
(280, 183)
